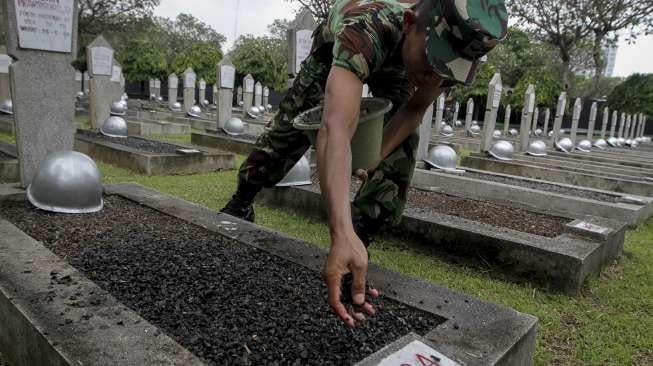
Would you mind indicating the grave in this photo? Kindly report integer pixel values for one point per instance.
(217, 139)
(146, 127)
(99, 55)
(151, 157)
(189, 89)
(226, 72)
(42, 78)
(86, 306)
(558, 250)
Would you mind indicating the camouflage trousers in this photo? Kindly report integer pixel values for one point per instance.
(381, 198)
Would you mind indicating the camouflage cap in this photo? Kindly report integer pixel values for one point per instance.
(461, 32)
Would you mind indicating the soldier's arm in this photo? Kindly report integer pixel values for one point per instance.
(347, 253)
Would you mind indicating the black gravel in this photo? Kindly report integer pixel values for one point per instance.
(151, 146)
(544, 187)
(228, 303)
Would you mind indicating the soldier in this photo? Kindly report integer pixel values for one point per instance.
(406, 51)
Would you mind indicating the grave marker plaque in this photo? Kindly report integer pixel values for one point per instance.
(456, 113)
(248, 92)
(506, 120)
(578, 107)
(41, 37)
(226, 74)
(173, 84)
(527, 116)
(300, 40)
(613, 127)
(202, 90)
(628, 122)
(266, 96)
(425, 134)
(606, 118)
(258, 94)
(560, 113)
(190, 79)
(469, 114)
(439, 114)
(622, 124)
(100, 64)
(547, 118)
(495, 90)
(592, 122)
(536, 117)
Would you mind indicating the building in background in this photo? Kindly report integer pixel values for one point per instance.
(609, 57)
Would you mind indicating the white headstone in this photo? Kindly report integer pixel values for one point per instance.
(248, 92)
(45, 25)
(622, 125)
(173, 85)
(5, 82)
(560, 113)
(425, 134)
(613, 127)
(590, 127)
(439, 113)
(5, 61)
(495, 90)
(506, 120)
(547, 117)
(300, 40)
(190, 80)
(527, 117)
(102, 93)
(101, 61)
(227, 76)
(469, 114)
(578, 108)
(258, 94)
(606, 119)
(456, 113)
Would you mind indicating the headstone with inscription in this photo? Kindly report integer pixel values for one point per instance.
(613, 126)
(606, 118)
(469, 114)
(495, 90)
(173, 85)
(547, 118)
(622, 125)
(258, 94)
(300, 40)
(248, 92)
(99, 57)
(226, 79)
(629, 118)
(506, 120)
(239, 95)
(425, 134)
(590, 128)
(536, 118)
(42, 39)
(190, 80)
(5, 83)
(116, 79)
(575, 118)
(456, 113)
(560, 114)
(202, 91)
(439, 113)
(157, 88)
(79, 77)
(527, 117)
(266, 96)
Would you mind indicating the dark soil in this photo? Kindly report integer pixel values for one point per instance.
(545, 187)
(150, 146)
(226, 302)
(487, 213)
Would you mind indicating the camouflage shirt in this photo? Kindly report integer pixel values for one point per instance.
(367, 35)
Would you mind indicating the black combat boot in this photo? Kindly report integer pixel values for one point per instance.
(240, 205)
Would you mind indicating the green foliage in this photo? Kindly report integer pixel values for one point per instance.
(202, 57)
(144, 57)
(263, 57)
(635, 95)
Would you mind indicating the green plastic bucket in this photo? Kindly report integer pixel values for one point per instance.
(366, 143)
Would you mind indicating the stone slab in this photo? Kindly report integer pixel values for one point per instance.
(533, 199)
(35, 333)
(151, 127)
(476, 332)
(552, 174)
(155, 164)
(564, 261)
(598, 156)
(222, 142)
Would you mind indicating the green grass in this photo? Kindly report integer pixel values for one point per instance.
(82, 121)
(7, 138)
(611, 323)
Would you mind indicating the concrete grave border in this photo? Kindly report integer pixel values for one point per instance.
(9, 172)
(147, 163)
(552, 174)
(536, 200)
(219, 141)
(475, 332)
(564, 261)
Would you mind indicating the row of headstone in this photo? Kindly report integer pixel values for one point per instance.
(106, 84)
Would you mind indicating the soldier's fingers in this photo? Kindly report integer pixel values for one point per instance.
(333, 284)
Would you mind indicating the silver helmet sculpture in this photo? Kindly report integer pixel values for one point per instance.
(124, 104)
(241, 103)
(458, 124)
(124, 96)
(474, 130)
(268, 107)
(513, 132)
(152, 96)
(496, 134)
(442, 157)
(299, 175)
(621, 141)
(536, 148)
(160, 100)
(634, 144)
(502, 150)
(118, 109)
(565, 145)
(538, 132)
(234, 127)
(446, 131)
(600, 144)
(80, 95)
(175, 107)
(612, 141)
(114, 126)
(550, 133)
(254, 112)
(584, 146)
(474, 123)
(205, 103)
(195, 111)
(7, 107)
(67, 182)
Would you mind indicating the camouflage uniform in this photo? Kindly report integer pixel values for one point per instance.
(364, 37)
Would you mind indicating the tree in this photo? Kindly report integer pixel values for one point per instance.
(260, 57)
(144, 57)
(203, 57)
(609, 17)
(635, 95)
(100, 16)
(319, 8)
(560, 23)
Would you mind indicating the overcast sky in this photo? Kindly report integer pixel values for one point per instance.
(255, 15)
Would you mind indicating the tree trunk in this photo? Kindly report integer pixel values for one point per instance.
(599, 61)
(566, 69)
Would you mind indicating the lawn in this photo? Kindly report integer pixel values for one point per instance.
(611, 323)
